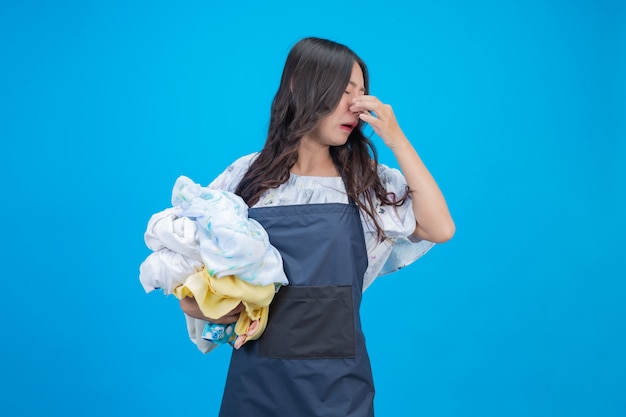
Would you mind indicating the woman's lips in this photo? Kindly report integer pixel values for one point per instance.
(348, 127)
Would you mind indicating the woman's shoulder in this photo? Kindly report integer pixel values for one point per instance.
(244, 160)
(386, 172)
(230, 177)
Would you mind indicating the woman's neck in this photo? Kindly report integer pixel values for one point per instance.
(314, 160)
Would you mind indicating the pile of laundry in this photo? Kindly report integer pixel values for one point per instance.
(206, 247)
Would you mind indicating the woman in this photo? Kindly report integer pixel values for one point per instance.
(339, 219)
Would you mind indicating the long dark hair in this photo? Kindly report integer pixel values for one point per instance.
(314, 78)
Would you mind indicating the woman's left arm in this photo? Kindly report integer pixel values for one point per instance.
(434, 222)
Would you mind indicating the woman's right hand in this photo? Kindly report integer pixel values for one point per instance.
(190, 307)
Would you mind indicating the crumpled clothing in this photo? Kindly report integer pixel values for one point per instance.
(219, 333)
(166, 269)
(175, 243)
(216, 297)
(230, 242)
(195, 329)
(169, 229)
(212, 226)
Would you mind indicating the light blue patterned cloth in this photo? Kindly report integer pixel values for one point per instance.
(230, 243)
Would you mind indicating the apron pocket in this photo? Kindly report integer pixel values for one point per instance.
(310, 323)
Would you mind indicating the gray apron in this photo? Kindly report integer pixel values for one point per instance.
(311, 361)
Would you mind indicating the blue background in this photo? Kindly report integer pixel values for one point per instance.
(518, 108)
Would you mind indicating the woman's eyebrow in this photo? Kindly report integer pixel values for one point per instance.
(355, 85)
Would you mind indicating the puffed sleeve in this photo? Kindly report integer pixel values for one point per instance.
(230, 178)
(399, 224)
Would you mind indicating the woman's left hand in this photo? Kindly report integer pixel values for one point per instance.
(382, 119)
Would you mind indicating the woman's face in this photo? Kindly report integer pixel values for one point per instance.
(334, 129)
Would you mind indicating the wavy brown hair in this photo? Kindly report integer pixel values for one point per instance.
(314, 78)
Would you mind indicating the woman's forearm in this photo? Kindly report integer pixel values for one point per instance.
(434, 222)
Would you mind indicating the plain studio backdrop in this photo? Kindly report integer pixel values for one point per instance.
(518, 108)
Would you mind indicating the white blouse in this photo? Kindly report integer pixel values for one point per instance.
(396, 251)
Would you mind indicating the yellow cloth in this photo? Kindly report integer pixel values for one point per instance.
(216, 297)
